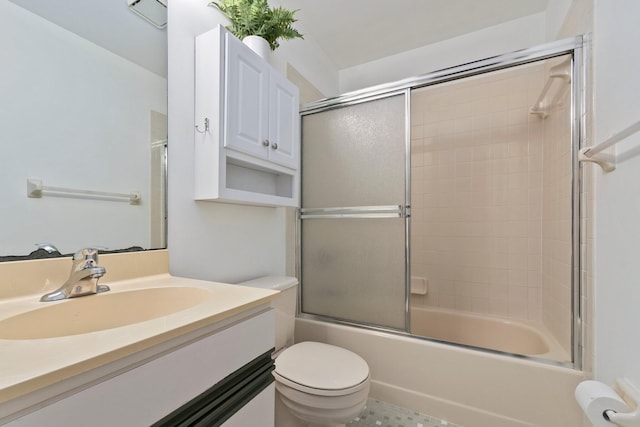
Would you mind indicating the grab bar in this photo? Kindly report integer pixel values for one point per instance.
(35, 189)
(606, 161)
(560, 71)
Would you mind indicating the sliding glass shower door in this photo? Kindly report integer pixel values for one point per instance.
(354, 216)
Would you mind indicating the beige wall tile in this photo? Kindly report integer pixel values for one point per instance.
(490, 198)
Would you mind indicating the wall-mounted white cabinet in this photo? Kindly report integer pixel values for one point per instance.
(250, 151)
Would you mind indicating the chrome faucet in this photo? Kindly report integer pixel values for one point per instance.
(83, 279)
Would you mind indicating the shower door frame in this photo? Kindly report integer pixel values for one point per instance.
(577, 47)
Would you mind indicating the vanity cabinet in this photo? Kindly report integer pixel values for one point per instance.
(144, 394)
(247, 139)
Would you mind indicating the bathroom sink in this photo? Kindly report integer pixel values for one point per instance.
(99, 312)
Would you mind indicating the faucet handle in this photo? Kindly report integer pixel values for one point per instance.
(83, 279)
(85, 258)
(86, 253)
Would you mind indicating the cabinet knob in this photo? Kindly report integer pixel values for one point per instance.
(274, 146)
(266, 143)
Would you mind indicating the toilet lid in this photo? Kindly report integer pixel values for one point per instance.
(322, 366)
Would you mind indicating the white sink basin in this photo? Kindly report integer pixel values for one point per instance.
(99, 312)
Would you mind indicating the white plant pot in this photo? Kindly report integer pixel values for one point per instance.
(259, 46)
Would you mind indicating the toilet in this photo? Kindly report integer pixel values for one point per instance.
(317, 384)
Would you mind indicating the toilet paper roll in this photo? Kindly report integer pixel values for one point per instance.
(595, 397)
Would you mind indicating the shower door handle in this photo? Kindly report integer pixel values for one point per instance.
(391, 211)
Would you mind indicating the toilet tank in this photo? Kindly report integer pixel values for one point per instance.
(284, 305)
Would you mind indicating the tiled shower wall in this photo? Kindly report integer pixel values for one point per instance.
(477, 198)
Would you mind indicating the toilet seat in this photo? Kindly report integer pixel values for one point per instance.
(319, 391)
(321, 369)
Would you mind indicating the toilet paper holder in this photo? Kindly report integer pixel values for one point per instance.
(626, 419)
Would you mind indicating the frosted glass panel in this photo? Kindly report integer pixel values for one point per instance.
(355, 155)
(354, 269)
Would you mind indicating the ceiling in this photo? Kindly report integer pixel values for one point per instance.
(110, 24)
(352, 32)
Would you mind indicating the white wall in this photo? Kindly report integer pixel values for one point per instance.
(513, 35)
(207, 240)
(308, 58)
(74, 115)
(555, 16)
(311, 61)
(617, 199)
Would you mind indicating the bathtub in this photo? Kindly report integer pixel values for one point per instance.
(468, 387)
(510, 336)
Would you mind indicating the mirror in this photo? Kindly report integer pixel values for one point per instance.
(83, 114)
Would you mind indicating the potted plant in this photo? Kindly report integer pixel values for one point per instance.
(251, 19)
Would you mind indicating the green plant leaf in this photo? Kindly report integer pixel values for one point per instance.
(256, 18)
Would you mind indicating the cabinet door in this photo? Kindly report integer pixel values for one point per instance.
(284, 122)
(247, 91)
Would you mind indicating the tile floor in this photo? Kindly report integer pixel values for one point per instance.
(383, 414)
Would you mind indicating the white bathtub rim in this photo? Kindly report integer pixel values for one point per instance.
(514, 404)
(387, 332)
